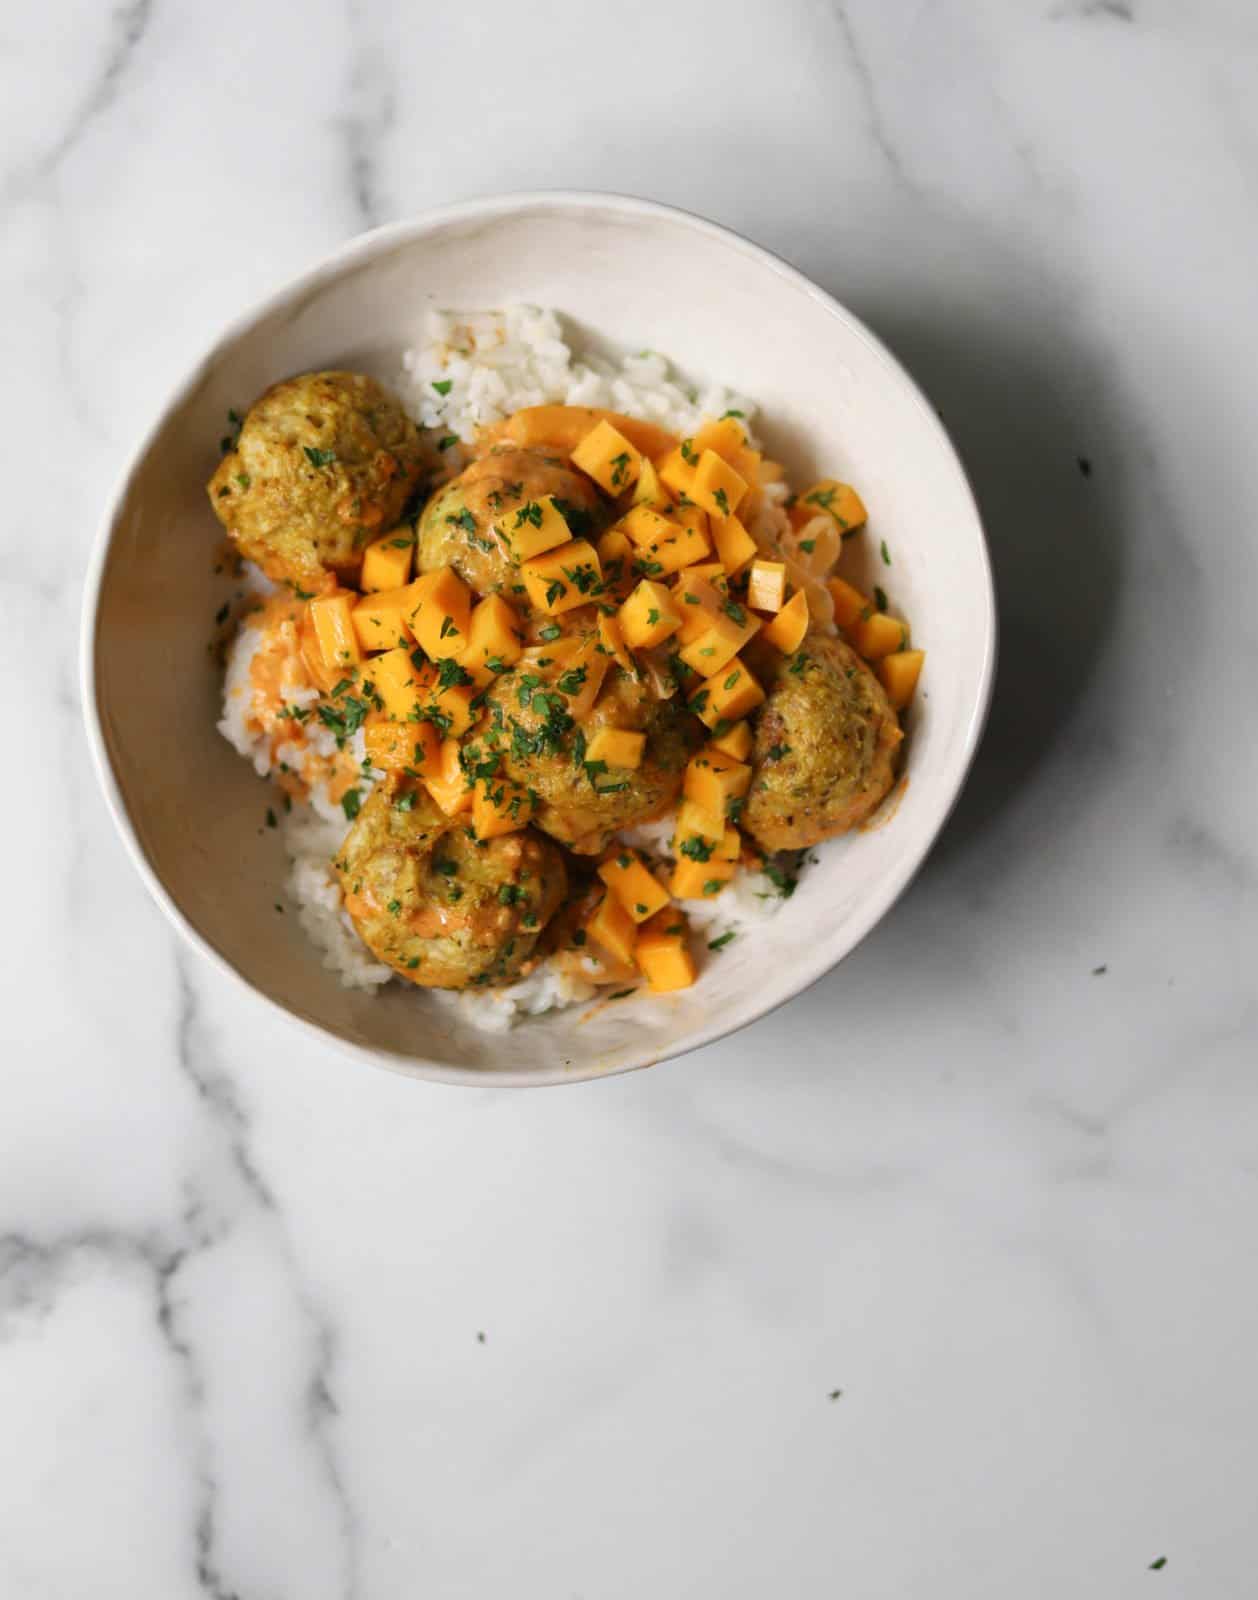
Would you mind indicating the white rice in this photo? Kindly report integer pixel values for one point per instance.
(495, 363)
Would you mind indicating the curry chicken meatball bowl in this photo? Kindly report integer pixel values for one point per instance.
(560, 674)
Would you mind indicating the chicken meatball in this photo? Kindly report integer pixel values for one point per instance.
(824, 751)
(457, 530)
(583, 803)
(441, 908)
(323, 464)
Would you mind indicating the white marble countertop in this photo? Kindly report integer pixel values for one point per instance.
(940, 1281)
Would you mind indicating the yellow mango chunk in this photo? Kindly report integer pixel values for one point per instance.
(645, 525)
(399, 684)
(381, 619)
(648, 616)
(713, 779)
(499, 806)
(699, 593)
(726, 436)
(788, 628)
(412, 748)
(766, 585)
(734, 741)
(681, 547)
(663, 952)
(331, 615)
(564, 427)
(495, 639)
(730, 847)
(677, 469)
(613, 641)
(448, 784)
(700, 880)
(849, 604)
(611, 926)
(898, 673)
(697, 822)
(729, 695)
(618, 747)
(734, 544)
(607, 456)
(580, 677)
(615, 553)
(649, 489)
(691, 516)
(729, 630)
(563, 578)
(442, 613)
(879, 635)
(387, 560)
(717, 488)
(838, 500)
(626, 875)
(534, 527)
(450, 704)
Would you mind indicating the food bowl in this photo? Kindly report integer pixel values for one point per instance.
(624, 274)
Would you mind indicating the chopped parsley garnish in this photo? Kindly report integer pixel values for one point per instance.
(880, 598)
(697, 848)
(447, 628)
(555, 590)
(243, 479)
(732, 413)
(735, 612)
(400, 544)
(620, 468)
(714, 886)
(220, 616)
(722, 500)
(808, 545)
(552, 630)
(572, 681)
(345, 718)
(447, 869)
(530, 513)
(446, 440)
(317, 457)
(886, 554)
(272, 821)
(509, 893)
(732, 681)
(781, 881)
(393, 907)
(798, 663)
(578, 519)
(406, 801)
(583, 578)
(688, 452)
(351, 803)
(622, 994)
(463, 519)
(1156, 1566)
(777, 751)
(450, 674)
(652, 617)
(443, 385)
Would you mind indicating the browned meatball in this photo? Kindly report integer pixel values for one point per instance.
(440, 907)
(457, 527)
(825, 746)
(323, 464)
(582, 803)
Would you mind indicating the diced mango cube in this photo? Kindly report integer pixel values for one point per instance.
(648, 616)
(412, 748)
(663, 952)
(898, 674)
(332, 618)
(534, 527)
(580, 676)
(734, 544)
(730, 847)
(788, 628)
(728, 631)
(838, 500)
(607, 456)
(726, 436)
(879, 635)
(448, 784)
(734, 741)
(495, 639)
(381, 619)
(563, 578)
(699, 595)
(697, 822)
(717, 488)
(387, 560)
(713, 779)
(649, 490)
(615, 552)
(618, 747)
(450, 705)
(680, 547)
(398, 682)
(677, 469)
(626, 875)
(700, 880)
(732, 693)
(499, 806)
(645, 525)
(442, 613)
(611, 926)
(766, 585)
(613, 641)
(849, 603)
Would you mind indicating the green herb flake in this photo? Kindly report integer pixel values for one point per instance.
(443, 385)
(447, 440)
(880, 598)
(622, 994)
(351, 804)
(317, 457)
(886, 554)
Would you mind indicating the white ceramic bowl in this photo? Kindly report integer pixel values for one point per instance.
(625, 273)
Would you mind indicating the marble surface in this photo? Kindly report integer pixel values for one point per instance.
(940, 1281)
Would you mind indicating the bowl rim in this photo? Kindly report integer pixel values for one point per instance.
(330, 266)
